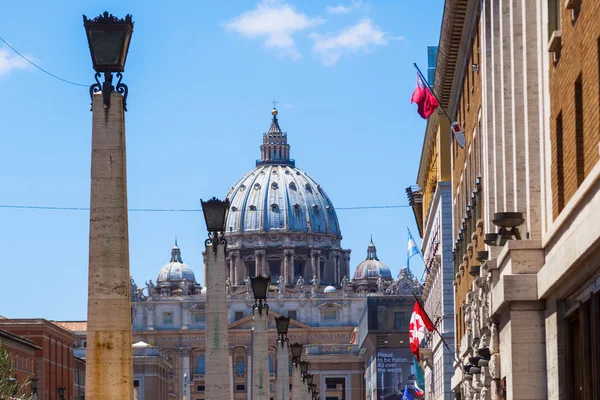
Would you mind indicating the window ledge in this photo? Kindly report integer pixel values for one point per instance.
(555, 42)
(571, 4)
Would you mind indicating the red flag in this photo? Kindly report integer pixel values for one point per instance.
(426, 101)
(416, 330)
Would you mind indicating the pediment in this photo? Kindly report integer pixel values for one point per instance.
(329, 305)
(246, 322)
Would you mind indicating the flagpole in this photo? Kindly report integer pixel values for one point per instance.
(459, 363)
(432, 92)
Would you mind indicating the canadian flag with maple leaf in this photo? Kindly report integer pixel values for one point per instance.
(416, 333)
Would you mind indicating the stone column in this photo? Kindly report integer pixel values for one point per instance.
(337, 279)
(230, 273)
(231, 373)
(109, 367)
(315, 256)
(249, 372)
(289, 266)
(296, 383)
(259, 256)
(185, 315)
(217, 339)
(151, 308)
(260, 357)
(185, 372)
(283, 375)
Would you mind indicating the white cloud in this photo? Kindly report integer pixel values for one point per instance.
(276, 23)
(10, 61)
(360, 37)
(341, 9)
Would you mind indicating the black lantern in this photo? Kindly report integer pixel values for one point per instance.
(33, 383)
(215, 213)
(108, 38)
(309, 379)
(61, 393)
(260, 288)
(282, 324)
(296, 352)
(303, 368)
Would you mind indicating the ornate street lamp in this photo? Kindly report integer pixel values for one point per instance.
(309, 379)
(260, 288)
(282, 324)
(108, 39)
(33, 383)
(296, 352)
(215, 214)
(61, 393)
(303, 368)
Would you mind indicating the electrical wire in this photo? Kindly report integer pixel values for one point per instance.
(38, 67)
(53, 208)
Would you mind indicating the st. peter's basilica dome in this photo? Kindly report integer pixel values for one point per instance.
(175, 271)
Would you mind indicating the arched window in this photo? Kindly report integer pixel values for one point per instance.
(201, 365)
(240, 365)
(271, 366)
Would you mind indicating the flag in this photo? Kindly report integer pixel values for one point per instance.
(412, 248)
(407, 395)
(419, 376)
(418, 390)
(426, 101)
(416, 329)
(458, 134)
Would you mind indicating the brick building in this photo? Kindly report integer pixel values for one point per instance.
(22, 353)
(55, 363)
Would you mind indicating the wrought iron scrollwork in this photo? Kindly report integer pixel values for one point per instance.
(95, 88)
(216, 241)
(123, 89)
(107, 88)
(261, 305)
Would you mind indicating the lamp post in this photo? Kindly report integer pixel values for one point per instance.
(296, 349)
(61, 393)
(33, 383)
(283, 377)
(260, 350)
(109, 368)
(303, 373)
(217, 379)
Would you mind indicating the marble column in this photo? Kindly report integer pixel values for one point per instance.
(296, 383)
(217, 338)
(249, 389)
(151, 308)
(283, 375)
(315, 256)
(230, 273)
(185, 315)
(109, 365)
(259, 256)
(238, 267)
(260, 357)
(184, 357)
(337, 279)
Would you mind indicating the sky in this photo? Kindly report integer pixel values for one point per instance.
(202, 77)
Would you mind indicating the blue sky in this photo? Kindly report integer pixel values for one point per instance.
(201, 77)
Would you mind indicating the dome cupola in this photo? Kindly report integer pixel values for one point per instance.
(175, 272)
(368, 272)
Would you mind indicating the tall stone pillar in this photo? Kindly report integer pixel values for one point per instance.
(184, 356)
(239, 267)
(288, 257)
(185, 315)
(249, 366)
(109, 368)
(259, 256)
(260, 357)
(151, 308)
(283, 375)
(296, 383)
(315, 256)
(229, 268)
(217, 339)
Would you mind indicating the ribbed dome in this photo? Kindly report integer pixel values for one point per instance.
(175, 270)
(330, 289)
(278, 196)
(371, 267)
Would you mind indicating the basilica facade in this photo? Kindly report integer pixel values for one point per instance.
(281, 223)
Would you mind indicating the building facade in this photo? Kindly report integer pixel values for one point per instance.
(432, 204)
(55, 363)
(22, 354)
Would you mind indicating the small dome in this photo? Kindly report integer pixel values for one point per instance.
(140, 344)
(371, 267)
(175, 271)
(330, 289)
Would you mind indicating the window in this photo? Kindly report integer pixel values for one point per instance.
(199, 316)
(275, 269)
(271, 366)
(554, 17)
(167, 318)
(400, 321)
(292, 314)
(579, 154)
(201, 365)
(240, 366)
(136, 383)
(582, 350)
(560, 172)
(238, 315)
(330, 315)
(298, 269)
(240, 388)
(200, 388)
